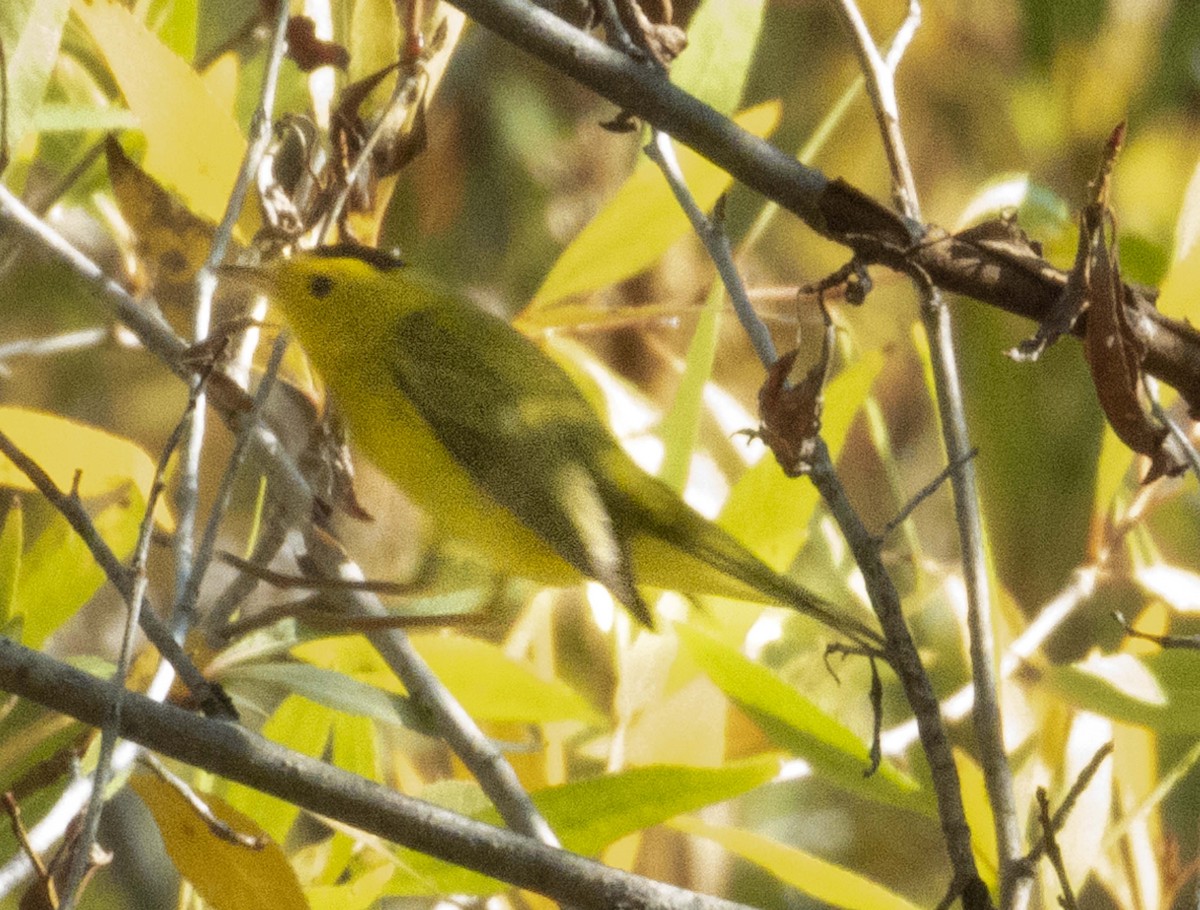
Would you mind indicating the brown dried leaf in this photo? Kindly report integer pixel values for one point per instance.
(171, 242)
(791, 415)
(1115, 354)
(1113, 348)
(309, 51)
(653, 33)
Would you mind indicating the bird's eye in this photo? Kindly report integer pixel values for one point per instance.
(320, 286)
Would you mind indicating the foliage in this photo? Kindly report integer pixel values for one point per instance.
(719, 751)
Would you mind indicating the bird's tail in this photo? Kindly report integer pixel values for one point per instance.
(695, 555)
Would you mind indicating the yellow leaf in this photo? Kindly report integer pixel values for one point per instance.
(821, 879)
(360, 893)
(221, 80)
(979, 817)
(1178, 298)
(62, 447)
(489, 684)
(172, 243)
(639, 223)
(1111, 471)
(302, 726)
(228, 875)
(192, 145)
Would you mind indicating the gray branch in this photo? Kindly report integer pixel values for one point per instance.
(239, 755)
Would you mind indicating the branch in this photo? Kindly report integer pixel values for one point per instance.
(833, 208)
(238, 755)
(902, 656)
(935, 316)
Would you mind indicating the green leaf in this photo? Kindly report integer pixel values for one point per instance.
(68, 117)
(721, 37)
(12, 542)
(488, 683)
(360, 893)
(31, 31)
(31, 735)
(1040, 211)
(59, 574)
(177, 27)
(828, 882)
(494, 687)
(796, 724)
(1127, 689)
(333, 690)
(354, 746)
(639, 223)
(681, 427)
(768, 511)
(589, 815)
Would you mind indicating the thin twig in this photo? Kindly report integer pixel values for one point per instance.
(899, 648)
(207, 694)
(495, 776)
(1178, 642)
(284, 581)
(832, 208)
(267, 544)
(1077, 592)
(220, 829)
(1016, 890)
(51, 345)
(716, 242)
(148, 324)
(486, 763)
(82, 849)
(1053, 853)
(1173, 427)
(1060, 815)
(208, 542)
(924, 493)
(317, 617)
(187, 491)
(901, 653)
(408, 90)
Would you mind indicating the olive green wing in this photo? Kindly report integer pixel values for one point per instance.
(511, 417)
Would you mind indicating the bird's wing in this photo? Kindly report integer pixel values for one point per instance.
(521, 429)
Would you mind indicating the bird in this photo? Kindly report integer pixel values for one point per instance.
(490, 437)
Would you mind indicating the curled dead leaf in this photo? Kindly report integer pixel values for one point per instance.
(791, 415)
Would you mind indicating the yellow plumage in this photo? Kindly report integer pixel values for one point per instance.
(488, 435)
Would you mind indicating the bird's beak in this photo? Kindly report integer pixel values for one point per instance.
(256, 277)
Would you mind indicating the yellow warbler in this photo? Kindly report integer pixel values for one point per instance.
(487, 434)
